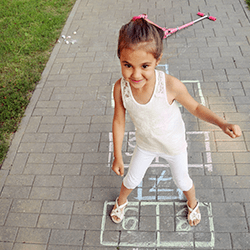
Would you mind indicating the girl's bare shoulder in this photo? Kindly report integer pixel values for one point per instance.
(117, 87)
(174, 85)
(117, 93)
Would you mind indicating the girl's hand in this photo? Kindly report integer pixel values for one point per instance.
(232, 130)
(118, 167)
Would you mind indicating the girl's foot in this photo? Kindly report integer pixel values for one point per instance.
(194, 215)
(118, 212)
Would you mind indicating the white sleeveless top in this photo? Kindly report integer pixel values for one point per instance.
(159, 125)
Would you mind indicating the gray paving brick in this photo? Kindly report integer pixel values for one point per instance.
(213, 195)
(180, 237)
(243, 169)
(55, 84)
(68, 112)
(8, 234)
(60, 247)
(6, 245)
(36, 169)
(86, 222)
(207, 182)
(15, 192)
(19, 163)
(75, 194)
(55, 120)
(58, 147)
(69, 158)
(235, 181)
(237, 195)
(4, 209)
(66, 169)
(78, 120)
(33, 124)
(33, 235)
(243, 108)
(45, 193)
(60, 96)
(31, 147)
(41, 158)
(228, 210)
(107, 181)
(46, 93)
(44, 111)
(47, 128)
(242, 157)
(232, 92)
(57, 207)
(34, 138)
(95, 158)
(78, 181)
(85, 147)
(53, 221)
(48, 181)
(231, 146)
(222, 240)
(241, 240)
(88, 208)
(87, 137)
(103, 127)
(103, 194)
(95, 169)
(24, 246)
(222, 157)
(222, 169)
(90, 237)
(21, 220)
(60, 138)
(67, 237)
(19, 180)
(222, 107)
(26, 206)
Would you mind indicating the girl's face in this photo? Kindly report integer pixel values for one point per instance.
(138, 67)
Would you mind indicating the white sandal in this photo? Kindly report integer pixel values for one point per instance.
(119, 212)
(194, 214)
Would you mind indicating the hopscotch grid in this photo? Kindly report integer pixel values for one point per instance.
(158, 242)
(131, 138)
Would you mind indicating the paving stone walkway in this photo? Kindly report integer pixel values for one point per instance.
(56, 185)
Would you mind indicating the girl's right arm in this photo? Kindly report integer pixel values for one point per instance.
(118, 129)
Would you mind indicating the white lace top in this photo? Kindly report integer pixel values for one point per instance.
(159, 125)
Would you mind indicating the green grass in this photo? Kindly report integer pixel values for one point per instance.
(248, 2)
(28, 31)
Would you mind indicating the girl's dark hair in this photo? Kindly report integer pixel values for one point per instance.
(141, 31)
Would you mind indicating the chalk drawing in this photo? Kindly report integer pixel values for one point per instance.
(173, 193)
(182, 228)
(129, 137)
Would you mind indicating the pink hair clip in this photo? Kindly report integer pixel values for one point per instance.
(144, 16)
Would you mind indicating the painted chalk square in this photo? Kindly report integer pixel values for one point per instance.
(144, 225)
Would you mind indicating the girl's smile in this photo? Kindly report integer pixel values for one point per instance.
(138, 67)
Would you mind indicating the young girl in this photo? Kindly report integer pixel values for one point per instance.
(150, 98)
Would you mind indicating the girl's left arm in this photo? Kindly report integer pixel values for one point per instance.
(202, 112)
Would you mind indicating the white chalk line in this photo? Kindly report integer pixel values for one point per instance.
(131, 139)
(158, 242)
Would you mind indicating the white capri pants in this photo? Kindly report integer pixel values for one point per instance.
(141, 161)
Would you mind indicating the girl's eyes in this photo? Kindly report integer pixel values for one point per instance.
(129, 66)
